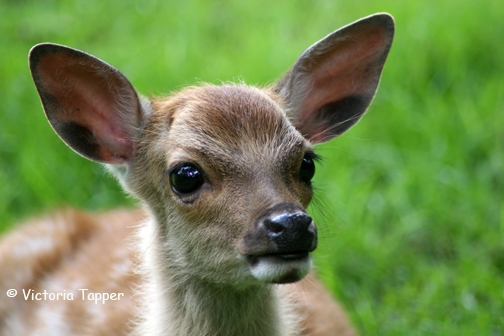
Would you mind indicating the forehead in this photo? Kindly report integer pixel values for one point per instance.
(235, 122)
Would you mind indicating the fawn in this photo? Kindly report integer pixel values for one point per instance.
(222, 246)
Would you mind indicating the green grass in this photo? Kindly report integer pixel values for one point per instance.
(410, 202)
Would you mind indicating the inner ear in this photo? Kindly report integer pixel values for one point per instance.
(333, 82)
(334, 118)
(90, 105)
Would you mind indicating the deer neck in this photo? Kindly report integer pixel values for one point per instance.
(176, 303)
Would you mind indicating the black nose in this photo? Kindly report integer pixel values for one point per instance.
(292, 230)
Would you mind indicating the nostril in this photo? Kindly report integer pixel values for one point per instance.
(302, 220)
(293, 223)
(291, 232)
(274, 227)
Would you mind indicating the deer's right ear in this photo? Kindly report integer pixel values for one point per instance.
(333, 82)
(90, 104)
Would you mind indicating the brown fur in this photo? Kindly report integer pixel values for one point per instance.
(52, 254)
(82, 243)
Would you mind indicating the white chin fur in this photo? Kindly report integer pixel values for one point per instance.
(270, 269)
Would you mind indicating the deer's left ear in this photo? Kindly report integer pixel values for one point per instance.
(333, 82)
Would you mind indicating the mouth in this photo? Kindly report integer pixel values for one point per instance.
(290, 256)
(280, 268)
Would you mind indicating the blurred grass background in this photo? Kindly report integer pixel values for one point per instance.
(410, 201)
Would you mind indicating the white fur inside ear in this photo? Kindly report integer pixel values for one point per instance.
(270, 269)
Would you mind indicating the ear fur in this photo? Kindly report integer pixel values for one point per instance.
(90, 104)
(333, 82)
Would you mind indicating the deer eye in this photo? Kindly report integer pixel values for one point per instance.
(307, 169)
(186, 178)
